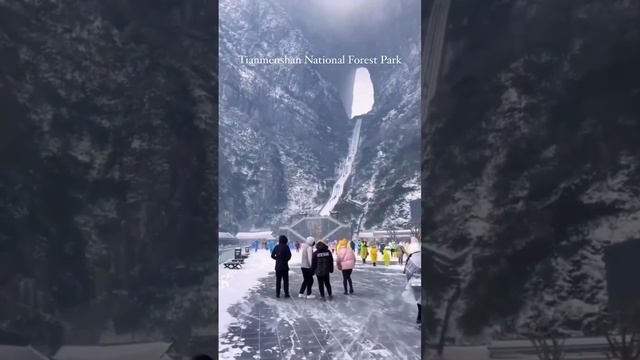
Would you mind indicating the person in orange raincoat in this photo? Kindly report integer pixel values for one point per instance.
(373, 250)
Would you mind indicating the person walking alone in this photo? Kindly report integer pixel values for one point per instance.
(364, 252)
(322, 265)
(282, 254)
(346, 261)
(400, 250)
(307, 273)
(374, 254)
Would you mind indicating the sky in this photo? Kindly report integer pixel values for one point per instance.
(362, 93)
(359, 23)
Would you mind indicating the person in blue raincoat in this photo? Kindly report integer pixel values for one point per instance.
(255, 246)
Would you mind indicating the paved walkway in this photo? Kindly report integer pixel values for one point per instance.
(373, 323)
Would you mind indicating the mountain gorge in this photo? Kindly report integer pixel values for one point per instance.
(282, 127)
(530, 163)
(285, 130)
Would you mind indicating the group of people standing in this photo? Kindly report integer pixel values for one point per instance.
(316, 259)
(389, 251)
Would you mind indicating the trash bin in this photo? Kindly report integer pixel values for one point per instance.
(238, 253)
(247, 249)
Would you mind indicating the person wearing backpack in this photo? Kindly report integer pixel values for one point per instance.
(322, 265)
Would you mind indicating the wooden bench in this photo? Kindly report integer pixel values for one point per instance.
(233, 264)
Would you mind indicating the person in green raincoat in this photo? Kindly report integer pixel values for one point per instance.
(387, 257)
(364, 252)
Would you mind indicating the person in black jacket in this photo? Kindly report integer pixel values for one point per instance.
(322, 265)
(282, 254)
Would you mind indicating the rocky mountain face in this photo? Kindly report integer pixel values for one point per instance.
(284, 130)
(108, 162)
(387, 168)
(531, 164)
(282, 127)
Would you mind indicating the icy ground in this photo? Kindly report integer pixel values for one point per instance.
(376, 322)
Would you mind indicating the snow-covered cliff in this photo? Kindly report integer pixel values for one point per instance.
(107, 165)
(284, 130)
(531, 161)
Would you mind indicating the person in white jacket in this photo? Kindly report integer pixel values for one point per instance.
(306, 253)
(412, 270)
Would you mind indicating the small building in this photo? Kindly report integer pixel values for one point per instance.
(324, 228)
(226, 239)
(131, 351)
(366, 236)
(15, 352)
(389, 235)
(246, 238)
(386, 235)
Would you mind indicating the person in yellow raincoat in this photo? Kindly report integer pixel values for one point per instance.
(373, 249)
(342, 243)
(386, 256)
(364, 252)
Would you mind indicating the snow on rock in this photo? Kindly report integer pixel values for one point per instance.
(345, 171)
(531, 204)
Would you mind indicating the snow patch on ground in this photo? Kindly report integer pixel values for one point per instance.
(234, 285)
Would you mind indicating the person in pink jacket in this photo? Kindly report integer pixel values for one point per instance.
(346, 261)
